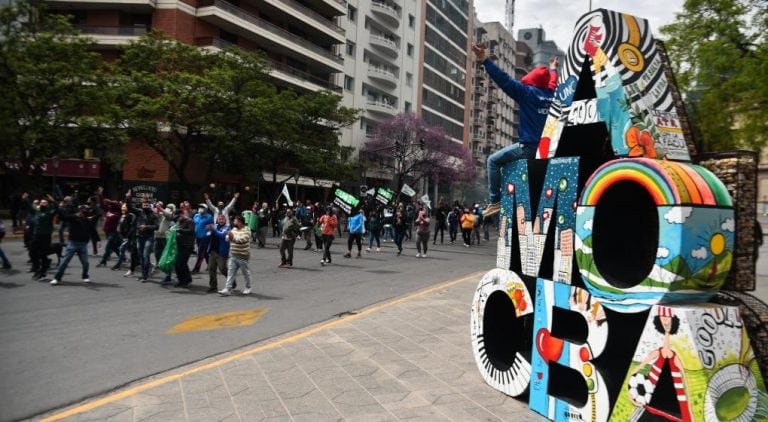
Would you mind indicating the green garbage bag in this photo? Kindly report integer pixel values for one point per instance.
(251, 220)
(168, 257)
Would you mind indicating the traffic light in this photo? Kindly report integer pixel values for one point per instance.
(422, 143)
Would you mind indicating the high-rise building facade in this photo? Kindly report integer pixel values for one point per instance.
(381, 57)
(444, 81)
(301, 38)
(542, 48)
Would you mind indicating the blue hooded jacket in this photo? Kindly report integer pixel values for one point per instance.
(534, 102)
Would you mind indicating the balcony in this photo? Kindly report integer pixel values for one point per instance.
(279, 71)
(480, 90)
(308, 18)
(388, 14)
(385, 44)
(381, 107)
(112, 36)
(125, 5)
(245, 24)
(328, 7)
(300, 78)
(382, 75)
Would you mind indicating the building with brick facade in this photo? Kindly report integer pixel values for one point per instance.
(302, 40)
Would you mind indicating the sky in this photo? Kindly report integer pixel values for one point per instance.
(558, 17)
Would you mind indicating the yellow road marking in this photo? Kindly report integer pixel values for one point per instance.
(216, 321)
(131, 391)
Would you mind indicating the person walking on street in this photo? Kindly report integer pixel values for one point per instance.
(441, 217)
(220, 209)
(111, 225)
(79, 227)
(467, 224)
(291, 229)
(42, 232)
(219, 256)
(263, 216)
(356, 228)
(127, 229)
(146, 224)
(185, 243)
(328, 223)
(239, 253)
(453, 223)
(164, 222)
(388, 220)
(203, 219)
(316, 229)
(478, 212)
(374, 230)
(401, 227)
(422, 233)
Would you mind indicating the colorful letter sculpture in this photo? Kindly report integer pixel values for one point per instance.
(606, 256)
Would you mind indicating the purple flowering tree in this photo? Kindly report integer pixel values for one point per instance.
(410, 149)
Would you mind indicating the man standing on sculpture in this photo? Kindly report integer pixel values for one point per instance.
(533, 94)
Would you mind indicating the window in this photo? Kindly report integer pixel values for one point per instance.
(351, 13)
(411, 21)
(408, 79)
(410, 50)
(350, 48)
(349, 83)
(407, 107)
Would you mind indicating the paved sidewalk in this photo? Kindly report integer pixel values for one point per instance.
(409, 358)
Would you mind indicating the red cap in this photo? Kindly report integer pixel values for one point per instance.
(538, 77)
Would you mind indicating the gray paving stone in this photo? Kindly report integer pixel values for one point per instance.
(112, 412)
(159, 413)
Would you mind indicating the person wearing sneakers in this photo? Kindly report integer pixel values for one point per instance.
(79, 227)
(467, 224)
(239, 253)
(291, 230)
(422, 232)
(356, 228)
(374, 229)
(219, 255)
(533, 94)
(328, 224)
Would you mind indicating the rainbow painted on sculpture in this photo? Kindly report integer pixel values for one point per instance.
(668, 183)
(690, 244)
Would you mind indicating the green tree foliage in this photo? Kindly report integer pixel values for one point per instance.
(719, 51)
(56, 99)
(222, 107)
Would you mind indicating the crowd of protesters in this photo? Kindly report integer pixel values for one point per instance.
(146, 236)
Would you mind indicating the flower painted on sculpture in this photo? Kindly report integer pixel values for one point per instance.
(640, 389)
(548, 193)
(510, 188)
(640, 143)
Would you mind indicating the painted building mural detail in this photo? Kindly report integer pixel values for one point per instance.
(633, 97)
(596, 309)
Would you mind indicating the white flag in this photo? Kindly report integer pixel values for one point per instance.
(371, 192)
(426, 201)
(287, 195)
(407, 190)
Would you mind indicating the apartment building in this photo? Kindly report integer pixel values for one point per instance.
(541, 48)
(493, 115)
(301, 38)
(381, 58)
(445, 63)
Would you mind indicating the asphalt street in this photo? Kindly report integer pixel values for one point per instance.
(62, 344)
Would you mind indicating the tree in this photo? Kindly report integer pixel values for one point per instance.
(408, 147)
(718, 49)
(56, 95)
(178, 99)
